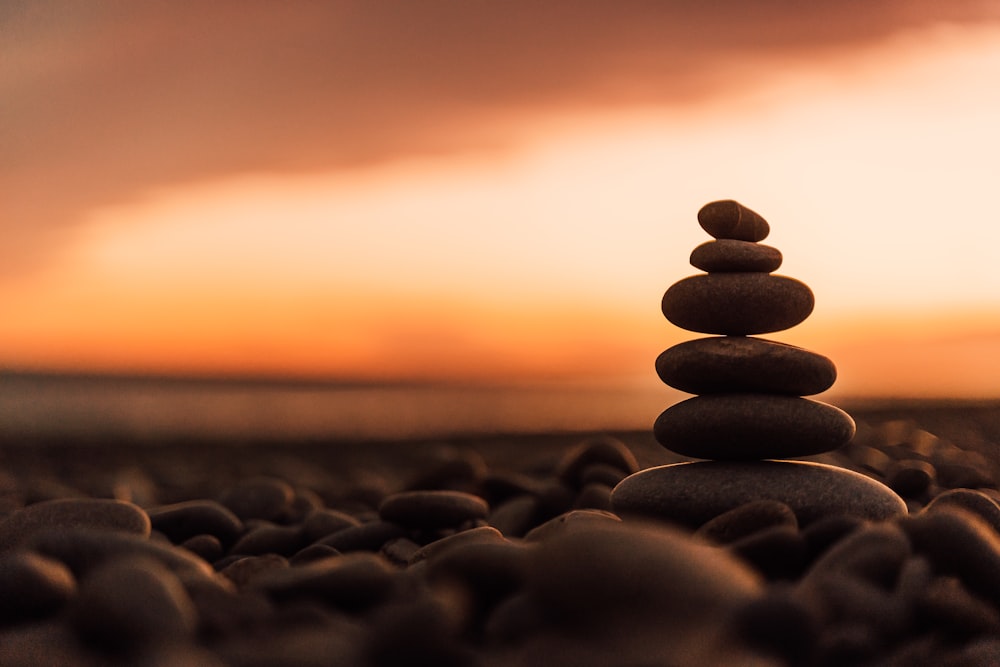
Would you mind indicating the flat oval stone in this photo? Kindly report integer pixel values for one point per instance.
(731, 364)
(112, 515)
(752, 426)
(728, 219)
(690, 494)
(183, 520)
(737, 304)
(432, 509)
(32, 586)
(728, 255)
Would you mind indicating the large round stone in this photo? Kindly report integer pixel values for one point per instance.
(730, 364)
(752, 426)
(737, 303)
(691, 494)
(728, 219)
(727, 255)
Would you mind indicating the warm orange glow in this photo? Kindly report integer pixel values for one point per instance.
(546, 260)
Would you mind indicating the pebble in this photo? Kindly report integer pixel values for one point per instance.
(351, 581)
(690, 494)
(777, 553)
(183, 520)
(747, 519)
(728, 219)
(243, 570)
(603, 450)
(207, 547)
(95, 513)
(133, 602)
(516, 516)
(728, 255)
(742, 364)
(432, 509)
(574, 520)
(323, 522)
(364, 537)
(32, 586)
(473, 536)
(268, 498)
(737, 303)
(875, 553)
(281, 540)
(978, 503)
(752, 426)
(82, 549)
(958, 542)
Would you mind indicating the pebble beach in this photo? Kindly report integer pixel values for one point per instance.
(490, 551)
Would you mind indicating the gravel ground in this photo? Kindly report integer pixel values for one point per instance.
(492, 551)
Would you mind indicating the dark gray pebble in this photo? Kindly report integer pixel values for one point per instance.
(109, 515)
(206, 547)
(473, 536)
(747, 519)
(744, 364)
(243, 570)
(432, 509)
(875, 553)
(594, 495)
(958, 542)
(322, 522)
(268, 498)
(911, 478)
(691, 494)
(132, 602)
(977, 502)
(605, 450)
(752, 426)
(32, 586)
(949, 607)
(82, 549)
(282, 540)
(180, 521)
(777, 552)
(351, 581)
(728, 219)
(827, 531)
(572, 521)
(516, 516)
(313, 552)
(779, 624)
(737, 304)
(364, 537)
(728, 255)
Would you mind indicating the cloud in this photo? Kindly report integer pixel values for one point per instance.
(102, 100)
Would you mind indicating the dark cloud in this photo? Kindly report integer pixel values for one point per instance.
(102, 99)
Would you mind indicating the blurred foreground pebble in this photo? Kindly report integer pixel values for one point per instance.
(458, 560)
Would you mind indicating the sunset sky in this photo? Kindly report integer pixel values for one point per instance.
(491, 191)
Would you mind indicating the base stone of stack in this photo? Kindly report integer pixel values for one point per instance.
(690, 494)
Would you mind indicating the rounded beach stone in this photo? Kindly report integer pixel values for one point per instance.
(752, 426)
(727, 255)
(737, 303)
(732, 364)
(974, 501)
(728, 219)
(600, 450)
(352, 581)
(432, 509)
(183, 520)
(691, 494)
(364, 537)
(268, 498)
(32, 586)
(747, 519)
(133, 602)
(111, 515)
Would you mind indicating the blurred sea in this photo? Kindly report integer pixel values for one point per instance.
(93, 408)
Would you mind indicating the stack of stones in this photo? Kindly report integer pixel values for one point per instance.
(749, 408)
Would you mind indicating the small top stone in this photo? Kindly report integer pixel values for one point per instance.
(728, 219)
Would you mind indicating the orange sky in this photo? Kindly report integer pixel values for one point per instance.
(495, 192)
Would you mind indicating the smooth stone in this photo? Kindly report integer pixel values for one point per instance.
(752, 426)
(630, 593)
(268, 498)
(911, 478)
(323, 522)
(350, 581)
(183, 520)
(690, 494)
(959, 542)
(244, 569)
(364, 537)
(777, 553)
(432, 509)
(32, 586)
(875, 553)
(978, 503)
(746, 520)
(741, 364)
(728, 219)
(483, 534)
(604, 450)
(133, 602)
(737, 303)
(108, 515)
(207, 547)
(282, 540)
(728, 255)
